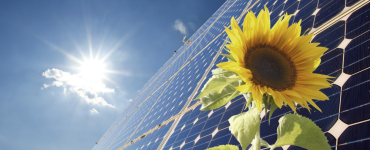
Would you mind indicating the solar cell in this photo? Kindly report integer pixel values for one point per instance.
(328, 9)
(351, 2)
(164, 116)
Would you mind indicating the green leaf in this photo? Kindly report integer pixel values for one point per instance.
(262, 143)
(273, 107)
(231, 58)
(249, 101)
(215, 100)
(300, 131)
(216, 85)
(219, 72)
(220, 79)
(224, 147)
(244, 126)
(265, 102)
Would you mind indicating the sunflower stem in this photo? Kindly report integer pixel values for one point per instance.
(249, 100)
(246, 99)
(257, 142)
(245, 96)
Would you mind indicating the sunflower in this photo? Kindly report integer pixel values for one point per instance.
(276, 61)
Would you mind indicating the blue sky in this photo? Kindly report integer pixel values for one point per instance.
(51, 97)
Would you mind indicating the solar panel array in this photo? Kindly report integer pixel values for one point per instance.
(163, 115)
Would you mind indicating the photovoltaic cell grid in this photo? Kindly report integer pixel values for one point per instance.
(153, 140)
(146, 93)
(344, 118)
(125, 128)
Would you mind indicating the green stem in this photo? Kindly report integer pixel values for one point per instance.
(257, 142)
(249, 100)
(245, 96)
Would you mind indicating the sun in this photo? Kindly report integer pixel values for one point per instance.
(92, 69)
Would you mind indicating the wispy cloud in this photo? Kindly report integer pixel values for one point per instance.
(94, 111)
(180, 26)
(192, 25)
(88, 90)
(130, 100)
(45, 86)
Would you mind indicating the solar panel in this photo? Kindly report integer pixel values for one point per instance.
(163, 115)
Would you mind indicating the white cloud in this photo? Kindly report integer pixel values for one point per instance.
(46, 86)
(180, 26)
(57, 83)
(88, 90)
(94, 111)
(130, 100)
(192, 25)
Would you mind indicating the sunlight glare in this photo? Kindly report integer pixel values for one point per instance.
(93, 69)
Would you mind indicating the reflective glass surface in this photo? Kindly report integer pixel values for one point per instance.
(169, 94)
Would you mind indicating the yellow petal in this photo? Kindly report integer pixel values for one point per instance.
(231, 66)
(237, 31)
(245, 88)
(236, 67)
(257, 96)
(318, 95)
(279, 99)
(312, 103)
(320, 83)
(249, 25)
(234, 39)
(291, 105)
(236, 53)
(317, 63)
(292, 93)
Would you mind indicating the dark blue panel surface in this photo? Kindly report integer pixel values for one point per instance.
(291, 7)
(306, 9)
(356, 83)
(332, 37)
(355, 133)
(307, 24)
(328, 10)
(351, 2)
(332, 66)
(363, 144)
(358, 22)
(356, 114)
(357, 54)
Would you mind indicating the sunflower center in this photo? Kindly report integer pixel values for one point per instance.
(270, 67)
